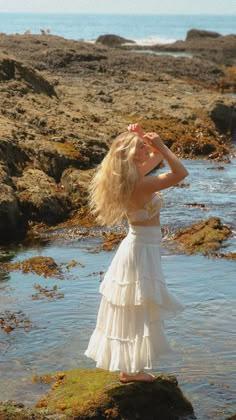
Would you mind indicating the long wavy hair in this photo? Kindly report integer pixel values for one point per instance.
(113, 183)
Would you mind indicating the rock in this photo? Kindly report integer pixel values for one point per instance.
(10, 152)
(54, 157)
(113, 40)
(10, 216)
(11, 68)
(199, 33)
(42, 266)
(215, 48)
(223, 113)
(203, 236)
(93, 394)
(12, 410)
(40, 198)
(233, 417)
(75, 182)
(94, 150)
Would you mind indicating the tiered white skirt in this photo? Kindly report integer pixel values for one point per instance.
(129, 335)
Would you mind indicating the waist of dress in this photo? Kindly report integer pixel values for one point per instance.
(145, 234)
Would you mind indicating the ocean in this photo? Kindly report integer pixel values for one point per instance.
(144, 29)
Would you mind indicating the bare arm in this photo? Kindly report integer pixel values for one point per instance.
(162, 181)
(151, 163)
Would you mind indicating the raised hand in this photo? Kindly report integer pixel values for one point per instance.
(154, 141)
(135, 128)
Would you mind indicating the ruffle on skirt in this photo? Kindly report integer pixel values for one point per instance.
(129, 335)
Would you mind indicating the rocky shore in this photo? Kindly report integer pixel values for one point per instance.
(63, 101)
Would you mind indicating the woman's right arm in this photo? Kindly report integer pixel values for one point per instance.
(162, 181)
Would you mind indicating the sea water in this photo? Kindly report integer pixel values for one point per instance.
(144, 29)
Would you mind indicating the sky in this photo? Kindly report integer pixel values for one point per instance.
(219, 7)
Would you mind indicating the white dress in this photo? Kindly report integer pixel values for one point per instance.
(129, 334)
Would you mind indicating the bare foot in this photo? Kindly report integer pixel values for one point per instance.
(139, 377)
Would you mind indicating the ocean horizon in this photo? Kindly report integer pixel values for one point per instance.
(143, 29)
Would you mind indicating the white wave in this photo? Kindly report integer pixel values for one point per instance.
(153, 40)
(89, 41)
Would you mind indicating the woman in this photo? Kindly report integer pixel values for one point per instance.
(129, 335)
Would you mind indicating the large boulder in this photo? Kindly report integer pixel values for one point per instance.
(193, 34)
(40, 198)
(97, 394)
(113, 40)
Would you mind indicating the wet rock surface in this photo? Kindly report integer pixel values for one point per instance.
(63, 102)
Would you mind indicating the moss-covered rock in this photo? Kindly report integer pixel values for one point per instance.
(12, 410)
(203, 236)
(98, 394)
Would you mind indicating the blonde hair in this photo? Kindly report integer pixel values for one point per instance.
(112, 185)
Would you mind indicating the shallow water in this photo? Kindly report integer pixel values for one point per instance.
(171, 53)
(203, 336)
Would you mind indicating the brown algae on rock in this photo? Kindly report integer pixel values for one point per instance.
(90, 394)
(42, 266)
(111, 240)
(203, 236)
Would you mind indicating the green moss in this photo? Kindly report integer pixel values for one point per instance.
(91, 394)
(77, 390)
